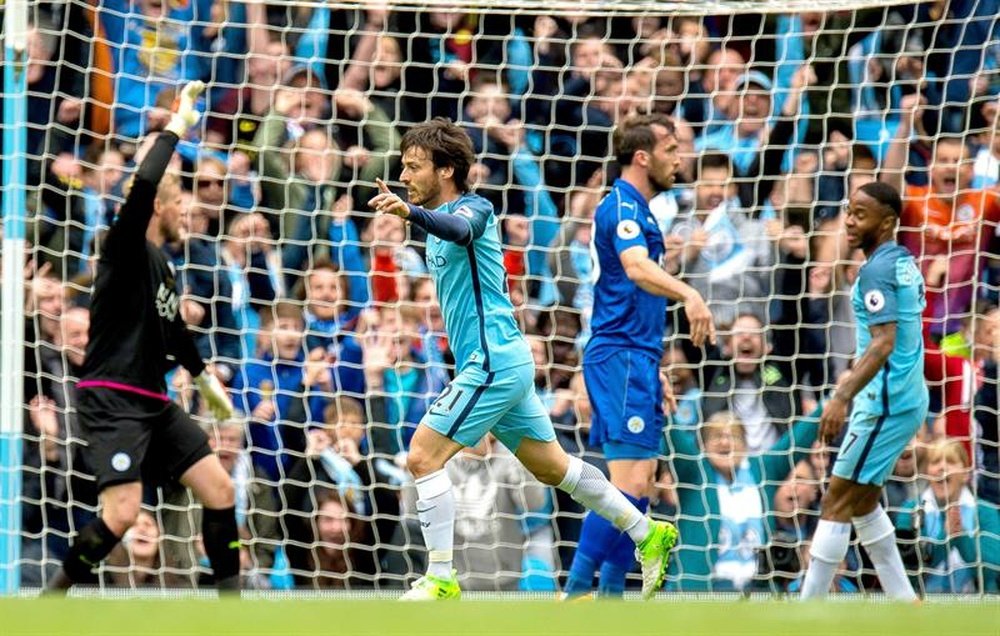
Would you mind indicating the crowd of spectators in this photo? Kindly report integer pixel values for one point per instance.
(323, 323)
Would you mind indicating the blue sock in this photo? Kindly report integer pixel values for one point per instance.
(597, 537)
(620, 559)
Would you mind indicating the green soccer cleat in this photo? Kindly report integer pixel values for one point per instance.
(653, 553)
(433, 588)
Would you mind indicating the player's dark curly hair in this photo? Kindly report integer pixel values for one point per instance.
(885, 194)
(446, 143)
(635, 133)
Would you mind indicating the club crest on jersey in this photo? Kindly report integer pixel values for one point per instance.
(627, 229)
(874, 301)
(166, 302)
(465, 211)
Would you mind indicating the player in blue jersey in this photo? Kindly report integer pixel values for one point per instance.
(621, 365)
(889, 397)
(493, 389)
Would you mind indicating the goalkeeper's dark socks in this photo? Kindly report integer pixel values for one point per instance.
(91, 545)
(222, 545)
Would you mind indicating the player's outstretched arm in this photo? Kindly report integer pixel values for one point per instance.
(133, 219)
(454, 228)
(645, 273)
(874, 358)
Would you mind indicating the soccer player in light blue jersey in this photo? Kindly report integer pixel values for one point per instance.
(621, 365)
(889, 397)
(493, 389)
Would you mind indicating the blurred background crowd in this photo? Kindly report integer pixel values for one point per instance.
(323, 323)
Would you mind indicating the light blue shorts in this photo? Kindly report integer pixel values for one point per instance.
(873, 443)
(501, 402)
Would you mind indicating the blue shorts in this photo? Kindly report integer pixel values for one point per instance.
(627, 403)
(501, 402)
(873, 443)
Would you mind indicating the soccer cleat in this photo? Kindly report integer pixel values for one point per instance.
(433, 588)
(566, 597)
(653, 553)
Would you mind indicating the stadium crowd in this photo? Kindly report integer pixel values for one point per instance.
(322, 321)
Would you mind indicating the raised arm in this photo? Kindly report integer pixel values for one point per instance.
(128, 235)
(893, 170)
(463, 227)
(133, 218)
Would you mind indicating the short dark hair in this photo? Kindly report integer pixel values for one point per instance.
(635, 133)
(447, 144)
(885, 194)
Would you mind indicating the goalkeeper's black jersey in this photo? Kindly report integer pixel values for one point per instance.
(136, 331)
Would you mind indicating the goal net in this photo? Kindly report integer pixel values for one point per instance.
(323, 321)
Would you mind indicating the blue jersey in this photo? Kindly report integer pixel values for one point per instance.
(625, 316)
(471, 284)
(890, 289)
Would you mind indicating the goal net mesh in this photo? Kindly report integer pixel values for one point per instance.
(322, 320)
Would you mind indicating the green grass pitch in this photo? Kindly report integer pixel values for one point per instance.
(135, 617)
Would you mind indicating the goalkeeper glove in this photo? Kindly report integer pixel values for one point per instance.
(214, 394)
(185, 115)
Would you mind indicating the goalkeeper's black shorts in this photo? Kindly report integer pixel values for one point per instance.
(132, 437)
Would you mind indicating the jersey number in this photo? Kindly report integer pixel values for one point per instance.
(447, 391)
(850, 442)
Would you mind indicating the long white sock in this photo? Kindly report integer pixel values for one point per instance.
(829, 547)
(588, 486)
(878, 535)
(436, 510)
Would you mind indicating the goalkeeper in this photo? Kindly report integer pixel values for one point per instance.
(133, 431)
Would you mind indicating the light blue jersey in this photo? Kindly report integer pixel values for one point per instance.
(892, 407)
(471, 284)
(494, 388)
(889, 289)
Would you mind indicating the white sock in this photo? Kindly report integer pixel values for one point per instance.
(436, 510)
(588, 486)
(878, 535)
(829, 547)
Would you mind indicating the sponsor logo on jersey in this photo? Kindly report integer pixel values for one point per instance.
(167, 302)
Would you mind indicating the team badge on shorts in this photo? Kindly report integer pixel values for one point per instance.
(121, 462)
(635, 424)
